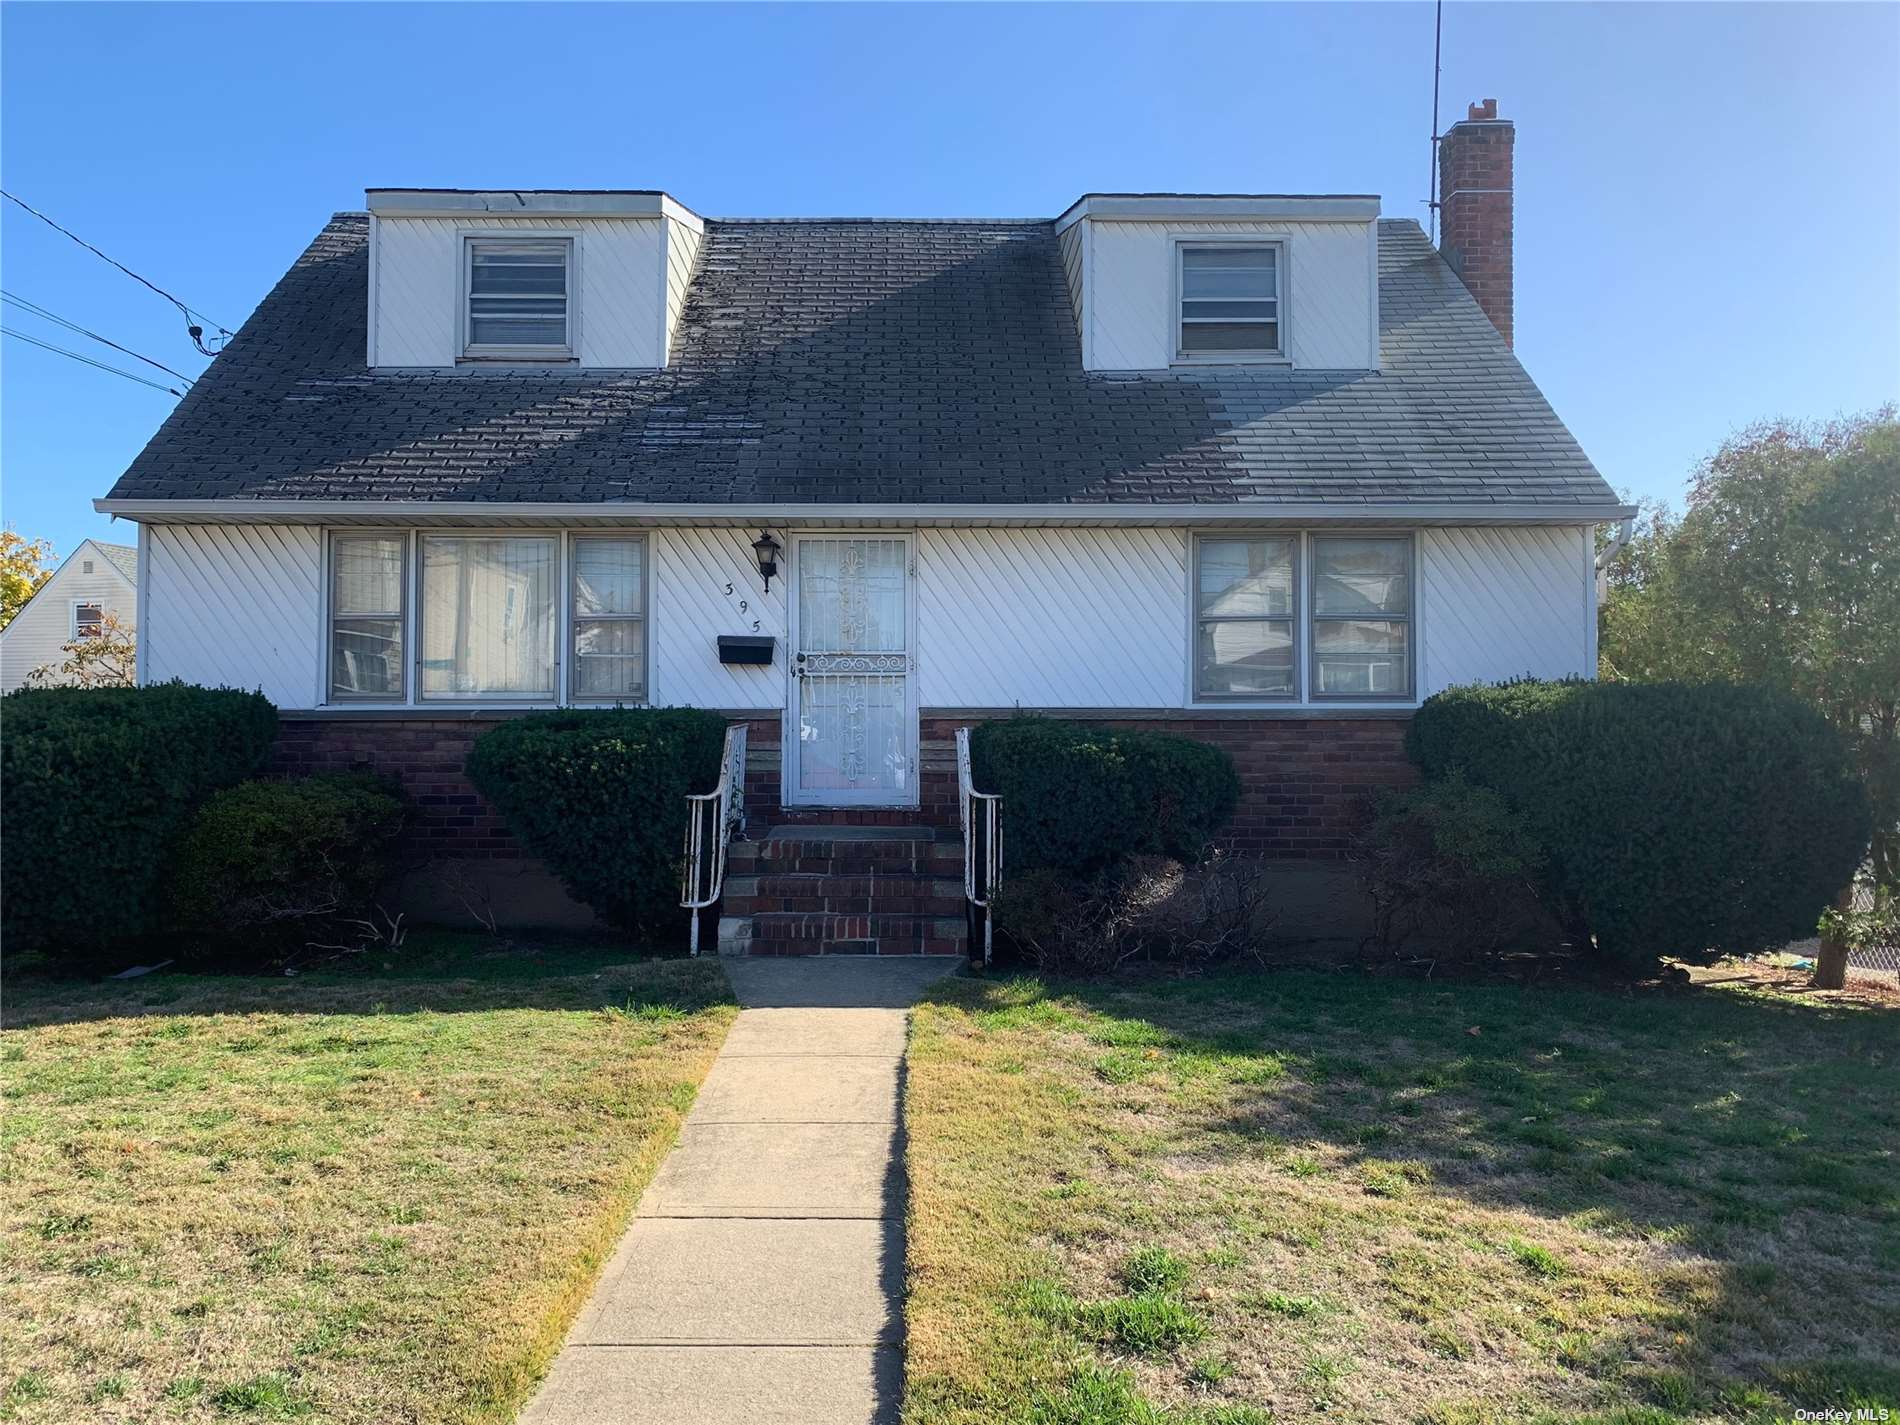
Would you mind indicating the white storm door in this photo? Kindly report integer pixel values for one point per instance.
(852, 739)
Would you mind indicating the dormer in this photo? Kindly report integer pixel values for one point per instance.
(526, 278)
(1165, 281)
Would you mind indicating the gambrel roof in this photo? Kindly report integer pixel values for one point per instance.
(868, 362)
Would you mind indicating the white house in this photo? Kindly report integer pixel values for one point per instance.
(1258, 468)
(95, 580)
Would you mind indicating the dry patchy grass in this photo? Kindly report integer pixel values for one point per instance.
(374, 1197)
(1307, 1196)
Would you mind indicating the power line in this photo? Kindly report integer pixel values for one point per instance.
(194, 320)
(76, 356)
(37, 310)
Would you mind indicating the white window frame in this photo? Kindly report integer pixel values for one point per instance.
(1294, 621)
(470, 239)
(1410, 617)
(72, 615)
(406, 615)
(1282, 265)
(1305, 676)
(562, 632)
(573, 619)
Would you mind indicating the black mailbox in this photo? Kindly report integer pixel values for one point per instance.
(745, 648)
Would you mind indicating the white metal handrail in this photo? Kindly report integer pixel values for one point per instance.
(979, 812)
(710, 818)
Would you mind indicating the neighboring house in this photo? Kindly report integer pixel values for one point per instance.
(1258, 469)
(95, 580)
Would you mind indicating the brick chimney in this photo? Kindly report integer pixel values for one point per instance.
(1474, 207)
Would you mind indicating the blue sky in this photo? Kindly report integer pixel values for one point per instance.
(1708, 219)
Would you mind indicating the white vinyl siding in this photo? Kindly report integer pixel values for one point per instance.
(618, 287)
(1133, 313)
(1032, 617)
(37, 636)
(518, 294)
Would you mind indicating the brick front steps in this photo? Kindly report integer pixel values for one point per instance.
(845, 890)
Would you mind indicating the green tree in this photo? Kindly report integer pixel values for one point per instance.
(1783, 570)
(25, 564)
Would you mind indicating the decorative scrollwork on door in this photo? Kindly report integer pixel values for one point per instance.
(819, 664)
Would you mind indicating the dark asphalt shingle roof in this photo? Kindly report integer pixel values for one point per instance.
(867, 362)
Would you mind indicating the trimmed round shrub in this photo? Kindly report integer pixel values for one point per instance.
(1692, 820)
(264, 865)
(600, 796)
(97, 783)
(1081, 798)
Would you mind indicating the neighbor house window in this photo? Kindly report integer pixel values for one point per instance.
(1244, 612)
(366, 616)
(1362, 617)
(609, 619)
(1230, 299)
(519, 295)
(89, 620)
(488, 617)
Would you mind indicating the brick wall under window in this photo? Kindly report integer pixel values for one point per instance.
(1301, 778)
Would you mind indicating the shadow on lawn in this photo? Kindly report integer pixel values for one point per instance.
(437, 972)
(1755, 1132)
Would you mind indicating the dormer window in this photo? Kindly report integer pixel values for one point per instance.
(1230, 295)
(518, 298)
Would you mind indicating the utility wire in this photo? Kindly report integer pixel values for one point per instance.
(76, 356)
(37, 310)
(195, 321)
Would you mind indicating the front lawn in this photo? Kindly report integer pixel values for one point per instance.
(1307, 1196)
(367, 1196)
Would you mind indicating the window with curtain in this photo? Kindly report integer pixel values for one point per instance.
(518, 294)
(488, 617)
(1362, 617)
(609, 618)
(1244, 612)
(1230, 300)
(366, 617)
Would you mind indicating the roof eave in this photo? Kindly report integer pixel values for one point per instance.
(1182, 207)
(629, 512)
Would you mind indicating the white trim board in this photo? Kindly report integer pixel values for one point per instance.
(1308, 514)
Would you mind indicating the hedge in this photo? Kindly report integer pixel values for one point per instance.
(1691, 820)
(1081, 798)
(600, 796)
(264, 865)
(97, 783)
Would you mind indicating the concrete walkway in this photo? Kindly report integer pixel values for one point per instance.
(761, 1281)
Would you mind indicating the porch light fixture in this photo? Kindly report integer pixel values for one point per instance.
(766, 548)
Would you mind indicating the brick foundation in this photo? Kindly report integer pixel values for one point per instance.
(1301, 778)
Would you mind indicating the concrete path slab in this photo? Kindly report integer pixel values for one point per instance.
(799, 1088)
(787, 1282)
(717, 1385)
(779, 1170)
(761, 1281)
(816, 1031)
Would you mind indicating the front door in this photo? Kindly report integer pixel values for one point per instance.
(851, 736)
